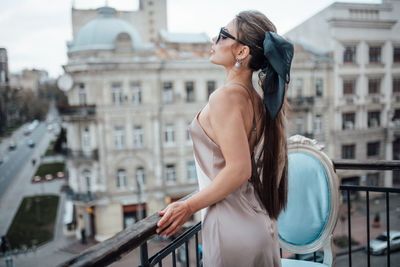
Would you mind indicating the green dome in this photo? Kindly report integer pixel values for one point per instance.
(101, 33)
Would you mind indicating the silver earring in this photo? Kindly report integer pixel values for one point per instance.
(237, 64)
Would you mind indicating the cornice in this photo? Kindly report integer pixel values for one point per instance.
(356, 23)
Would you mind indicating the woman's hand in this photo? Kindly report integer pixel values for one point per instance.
(174, 216)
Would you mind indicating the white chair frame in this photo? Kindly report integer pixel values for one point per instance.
(298, 143)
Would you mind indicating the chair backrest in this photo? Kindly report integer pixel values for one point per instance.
(307, 223)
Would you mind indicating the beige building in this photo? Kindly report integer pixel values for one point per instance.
(29, 79)
(363, 41)
(132, 93)
(310, 95)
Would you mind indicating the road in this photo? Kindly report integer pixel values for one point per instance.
(14, 160)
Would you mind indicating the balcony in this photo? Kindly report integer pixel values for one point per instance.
(301, 103)
(77, 112)
(138, 236)
(80, 155)
(81, 197)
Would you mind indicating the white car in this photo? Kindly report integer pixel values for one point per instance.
(378, 245)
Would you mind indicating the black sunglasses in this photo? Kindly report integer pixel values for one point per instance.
(223, 34)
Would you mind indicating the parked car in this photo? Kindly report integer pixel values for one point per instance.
(31, 143)
(378, 245)
(12, 145)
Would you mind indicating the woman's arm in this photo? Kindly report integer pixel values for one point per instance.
(226, 114)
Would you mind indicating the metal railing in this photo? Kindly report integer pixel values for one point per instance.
(138, 235)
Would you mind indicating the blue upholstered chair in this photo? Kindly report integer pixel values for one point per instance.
(311, 214)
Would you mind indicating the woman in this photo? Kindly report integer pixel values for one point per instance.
(241, 192)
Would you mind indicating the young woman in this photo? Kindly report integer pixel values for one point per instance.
(239, 142)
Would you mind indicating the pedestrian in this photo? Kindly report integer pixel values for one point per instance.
(240, 149)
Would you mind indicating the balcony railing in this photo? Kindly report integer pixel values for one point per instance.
(301, 102)
(71, 112)
(82, 155)
(136, 236)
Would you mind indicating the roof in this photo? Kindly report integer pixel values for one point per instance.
(102, 32)
(185, 38)
(321, 54)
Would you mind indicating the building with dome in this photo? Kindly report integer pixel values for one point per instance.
(133, 88)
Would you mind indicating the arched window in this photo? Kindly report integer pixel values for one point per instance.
(121, 178)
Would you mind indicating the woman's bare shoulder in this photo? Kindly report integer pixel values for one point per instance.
(228, 97)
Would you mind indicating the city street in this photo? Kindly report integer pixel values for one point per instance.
(15, 160)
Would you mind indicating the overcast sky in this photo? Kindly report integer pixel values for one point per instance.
(35, 32)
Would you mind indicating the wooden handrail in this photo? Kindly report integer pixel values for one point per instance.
(110, 250)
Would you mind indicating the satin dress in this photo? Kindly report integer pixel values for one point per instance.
(236, 231)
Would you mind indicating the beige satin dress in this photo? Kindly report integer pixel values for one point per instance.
(236, 231)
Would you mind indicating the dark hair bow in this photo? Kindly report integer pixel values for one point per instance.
(279, 54)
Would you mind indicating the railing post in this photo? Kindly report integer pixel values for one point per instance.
(144, 256)
(388, 228)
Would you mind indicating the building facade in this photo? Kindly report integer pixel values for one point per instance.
(4, 75)
(363, 41)
(132, 95)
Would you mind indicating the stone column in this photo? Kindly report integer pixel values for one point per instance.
(388, 181)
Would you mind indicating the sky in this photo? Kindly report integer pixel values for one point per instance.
(35, 32)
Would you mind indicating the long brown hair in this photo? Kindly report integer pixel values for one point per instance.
(272, 165)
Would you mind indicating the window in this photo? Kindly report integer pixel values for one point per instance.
(374, 86)
(396, 115)
(169, 134)
(373, 149)
(396, 85)
(116, 93)
(119, 137)
(188, 136)
(348, 120)
(318, 124)
(210, 87)
(348, 151)
(168, 93)
(189, 91)
(319, 87)
(349, 87)
(82, 94)
(191, 170)
(170, 172)
(374, 54)
(299, 87)
(396, 54)
(85, 139)
(121, 178)
(374, 119)
(138, 136)
(140, 176)
(2, 76)
(87, 180)
(349, 55)
(299, 125)
(373, 179)
(136, 93)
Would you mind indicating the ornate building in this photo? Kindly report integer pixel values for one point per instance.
(133, 88)
(363, 106)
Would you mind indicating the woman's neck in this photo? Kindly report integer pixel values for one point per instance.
(239, 75)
